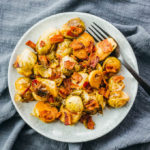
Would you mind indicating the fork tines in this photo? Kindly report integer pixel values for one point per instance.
(97, 32)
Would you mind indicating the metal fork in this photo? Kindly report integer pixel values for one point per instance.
(99, 34)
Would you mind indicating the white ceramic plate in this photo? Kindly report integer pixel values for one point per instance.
(77, 133)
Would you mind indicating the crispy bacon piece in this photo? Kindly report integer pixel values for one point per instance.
(104, 91)
(105, 46)
(90, 47)
(91, 105)
(63, 92)
(42, 43)
(87, 121)
(69, 65)
(51, 99)
(56, 39)
(43, 60)
(16, 64)
(87, 87)
(31, 44)
(76, 45)
(55, 75)
(67, 118)
(118, 78)
(76, 76)
(93, 60)
(74, 31)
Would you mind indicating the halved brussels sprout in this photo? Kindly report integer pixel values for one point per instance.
(116, 83)
(54, 63)
(44, 45)
(73, 28)
(42, 71)
(51, 56)
(95, 78)
(69, 118)
(43, 88)
(63, 48)
(118, 99)
(111, 65)
(74, 104)
(83, 46)
(25, 62)
(23, 92)
(105, 48)
(45, 112)
(93, 102)
(68, 65)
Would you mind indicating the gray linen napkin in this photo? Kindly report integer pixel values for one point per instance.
(132, 17)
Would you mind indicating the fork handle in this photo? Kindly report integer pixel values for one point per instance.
(140, 80)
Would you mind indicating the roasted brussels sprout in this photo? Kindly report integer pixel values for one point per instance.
(116, 83)
(73, 28)
(67, 117)
(93, 102)
(44, 44)
(45, 112)
(43, 88)
(111, 65)
(82, 46)
(74, 104)
(118, 99)
(105, 48)
(68, 65)
(51, 56)
(25, 62)
(42, 71)
(95, 78)
(23, 92)
(63, 49)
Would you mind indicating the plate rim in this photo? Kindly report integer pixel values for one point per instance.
(12, 98)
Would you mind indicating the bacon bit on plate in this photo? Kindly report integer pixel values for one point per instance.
(90, 47)
(87, 121)
(51, 99)
(31, 44)
(91, 105)
(16, 64)
(56, 39)
(67, 118)
(74, 31)
(43, 60)
(87, 87)
(104, 91)
(76, 76)
(63, 92)
(105, 46)
(69, 65)
(42, 43)
(93, 60)
(86, 84)
(55, 75)
(118, 78)
(76, 45)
